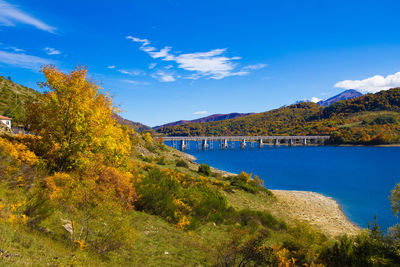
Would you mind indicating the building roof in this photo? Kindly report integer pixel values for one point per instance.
(4, 118)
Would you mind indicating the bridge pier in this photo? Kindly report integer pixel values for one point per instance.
(243, 144)
(260, 143)
(205, 145)
(305, 142)
(276, 142)
(290, 142)
(183, 145)
(224, 144)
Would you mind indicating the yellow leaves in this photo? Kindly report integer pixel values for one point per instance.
(24, 218)
(183, 222)
(75, 121)
(57, 184)
(12, 218)
(17, 151)
(147, 137)
(80, 244)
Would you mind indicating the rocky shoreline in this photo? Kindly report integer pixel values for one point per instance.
(318, 210)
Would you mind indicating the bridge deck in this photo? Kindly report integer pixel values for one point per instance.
(240, 138)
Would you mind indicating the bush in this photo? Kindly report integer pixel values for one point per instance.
(161, 193)
(204, 169)
(253, 218)
(384, 119)
(181, 163)
(161, 161)
(248, 183)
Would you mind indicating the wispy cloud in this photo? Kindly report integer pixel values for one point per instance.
(212, 64)
(16, 49)
(23, 61)
(164, 76)
(255, 66)
(111, 67)
(372, 84)
(131, 72)
(10, 15)
(51, 51)
(135, 82)
(152, 65)
(201, 112)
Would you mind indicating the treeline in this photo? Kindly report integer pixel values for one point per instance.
(369, 119)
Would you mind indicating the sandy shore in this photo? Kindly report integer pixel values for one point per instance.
(319, 210)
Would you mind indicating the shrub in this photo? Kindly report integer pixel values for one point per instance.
(204, 169)
(161, 161)
(384, 119)
(181, 163)
(162, 193)
(253, 218)
(248, 183)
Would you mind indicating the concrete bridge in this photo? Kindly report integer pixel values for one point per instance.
(225, 142)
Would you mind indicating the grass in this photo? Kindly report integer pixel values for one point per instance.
(157, 243)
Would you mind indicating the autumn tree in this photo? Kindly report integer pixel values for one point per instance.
(74, 119)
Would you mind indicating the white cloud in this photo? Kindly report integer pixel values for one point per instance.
(135, 82)
(201, 112)
(51, 51)
(372, 84)
(23, 61)
(16, 49)
(163, 76)
(168, 67)
(152, 65)
(315, 99)
(10, 15)
(138, 40)
(211, 64)
(111, 67)
(131, 72)
(255, 66)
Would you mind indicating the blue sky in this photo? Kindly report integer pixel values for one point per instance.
(168, 60)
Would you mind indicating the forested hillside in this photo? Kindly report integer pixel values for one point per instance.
(369, 119)
(12, 99)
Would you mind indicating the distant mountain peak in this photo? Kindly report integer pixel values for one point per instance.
(345, 95)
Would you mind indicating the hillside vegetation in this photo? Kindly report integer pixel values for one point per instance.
(369, 119)
(86, 191)
(12, 99)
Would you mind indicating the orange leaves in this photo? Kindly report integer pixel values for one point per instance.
(58, 184)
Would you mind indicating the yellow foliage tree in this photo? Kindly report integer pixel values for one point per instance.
(74, 119)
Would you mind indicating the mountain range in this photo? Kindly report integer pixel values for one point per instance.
(214, 117)
(345, 95)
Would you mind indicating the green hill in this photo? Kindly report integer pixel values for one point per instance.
(12, 99)
(369, 119)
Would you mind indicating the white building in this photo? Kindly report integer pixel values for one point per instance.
(6, 121)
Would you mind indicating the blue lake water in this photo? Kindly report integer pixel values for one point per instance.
(359, 178)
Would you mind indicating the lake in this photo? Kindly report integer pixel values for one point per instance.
(358, 178)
